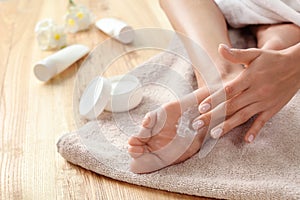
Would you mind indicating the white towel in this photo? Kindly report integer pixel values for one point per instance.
(239, 13)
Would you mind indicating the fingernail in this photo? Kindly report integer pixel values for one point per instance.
(250, 138)
(204, 107)
(197, 124)
(216, 133)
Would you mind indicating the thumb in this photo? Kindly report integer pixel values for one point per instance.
(239, 56)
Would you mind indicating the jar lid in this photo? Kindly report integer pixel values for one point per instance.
(116, 94)
(95, 98)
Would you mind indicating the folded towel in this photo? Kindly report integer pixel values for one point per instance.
(267, 169)
(239, 13)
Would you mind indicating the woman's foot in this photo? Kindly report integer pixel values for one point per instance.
(162, 142)
(159, 144)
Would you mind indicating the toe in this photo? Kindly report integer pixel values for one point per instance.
(160, 120)
(149, 120)
(136, 141)
(146, 121)
(153, 122)
(142, 137)
(136, 151)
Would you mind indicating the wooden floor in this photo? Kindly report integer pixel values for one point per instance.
(34, 115)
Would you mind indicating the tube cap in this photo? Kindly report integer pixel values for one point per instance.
(43, 72)
(116, 29)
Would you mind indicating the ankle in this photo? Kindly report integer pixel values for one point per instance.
(228, 70)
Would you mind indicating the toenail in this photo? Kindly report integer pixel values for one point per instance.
(197, 124)
(204, 107)
(216, 133)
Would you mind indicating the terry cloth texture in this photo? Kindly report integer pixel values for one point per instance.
(269, 168)
(239, 13)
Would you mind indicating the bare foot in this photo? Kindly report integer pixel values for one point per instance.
(162, 141)
(159, 144)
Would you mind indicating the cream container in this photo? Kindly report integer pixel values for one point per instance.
(115, 94)
(52, 65)
(116, 29)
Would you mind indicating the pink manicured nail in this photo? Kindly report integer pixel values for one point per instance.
(204, 107)
(197, 124)
(250, 138)
(216, 133)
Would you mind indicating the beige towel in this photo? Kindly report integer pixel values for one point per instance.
(267, 169)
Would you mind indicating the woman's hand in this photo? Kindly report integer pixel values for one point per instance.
(270, 79)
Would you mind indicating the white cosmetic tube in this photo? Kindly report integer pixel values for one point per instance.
(52, 65)
(116, 29)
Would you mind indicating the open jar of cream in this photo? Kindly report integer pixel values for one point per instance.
(115, 94)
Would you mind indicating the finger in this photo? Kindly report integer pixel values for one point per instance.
(257, 125)
(239, 102)
(231, 89)
(210, 118)
(236, 103)
(235, 120)
(239, 56)
(193, 98)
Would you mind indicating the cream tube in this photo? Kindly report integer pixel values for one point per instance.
(116, 29)
(52, 65)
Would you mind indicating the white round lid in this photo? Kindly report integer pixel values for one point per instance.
(125, 35)
(95, 98)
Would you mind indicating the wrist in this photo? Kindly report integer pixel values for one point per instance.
(293, 59)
